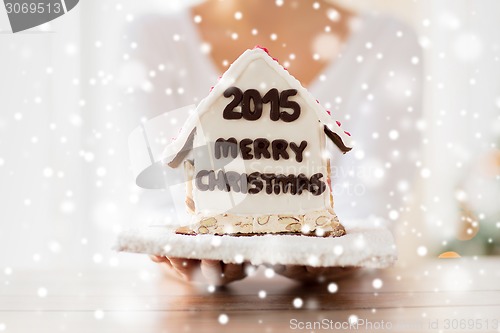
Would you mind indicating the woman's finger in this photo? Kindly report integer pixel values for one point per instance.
(295, 272)
(316, 271)
(159, 259)
(212, 271)
(232, 272)
(338, 273)
(185, 267)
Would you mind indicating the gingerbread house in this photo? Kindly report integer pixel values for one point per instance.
(253, 152)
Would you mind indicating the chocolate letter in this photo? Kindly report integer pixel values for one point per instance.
(219, 181)
(243, 183)
(287, 183)
(246, 107)
(253, 180)
(199, 180)
(245, 150)
(298, 150)
(273, 96)
(229, 112)
(302, 183)
(316, 185)
(222, 148)
(285, 103)
(261, 148)
(268, 178)
(279, 149)
(233, 179)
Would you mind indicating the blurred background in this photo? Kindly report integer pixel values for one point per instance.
(72, 90)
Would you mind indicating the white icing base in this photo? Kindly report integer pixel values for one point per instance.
(364, 245)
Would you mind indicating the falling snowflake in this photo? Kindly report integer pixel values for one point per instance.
(238, 258)
(377, 283)
(425, 173)
(422, 251)
(333, 287)
(393, 135)
(54, 247)
(393, 215)
(98, 314)
(42, 292)
(468, 47)
(101, 171)
(97, 258)
(298, 302)
(313, 260)
(333, 15)
(269, 273)
(223, 319)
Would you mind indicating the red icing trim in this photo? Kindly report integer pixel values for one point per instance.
(349, 134)
(338, 123)
(265, 50)
(329, 112)
(262, 48)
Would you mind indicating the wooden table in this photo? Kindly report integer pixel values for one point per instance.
(429, 297)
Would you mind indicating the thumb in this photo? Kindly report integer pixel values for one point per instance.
(212, 271)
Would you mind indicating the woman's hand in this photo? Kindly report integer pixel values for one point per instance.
(309, 274)
(212, 272)
(218, 273)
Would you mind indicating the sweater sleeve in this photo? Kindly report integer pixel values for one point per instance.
(381, 105)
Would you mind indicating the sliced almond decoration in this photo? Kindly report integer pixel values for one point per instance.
(202, 230)
(295, 227)
(184, 230)
(210, 222)
(322, 220)
(262, 220)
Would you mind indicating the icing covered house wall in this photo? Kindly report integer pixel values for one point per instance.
(254, 152)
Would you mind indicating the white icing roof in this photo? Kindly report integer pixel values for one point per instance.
(227, 80)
